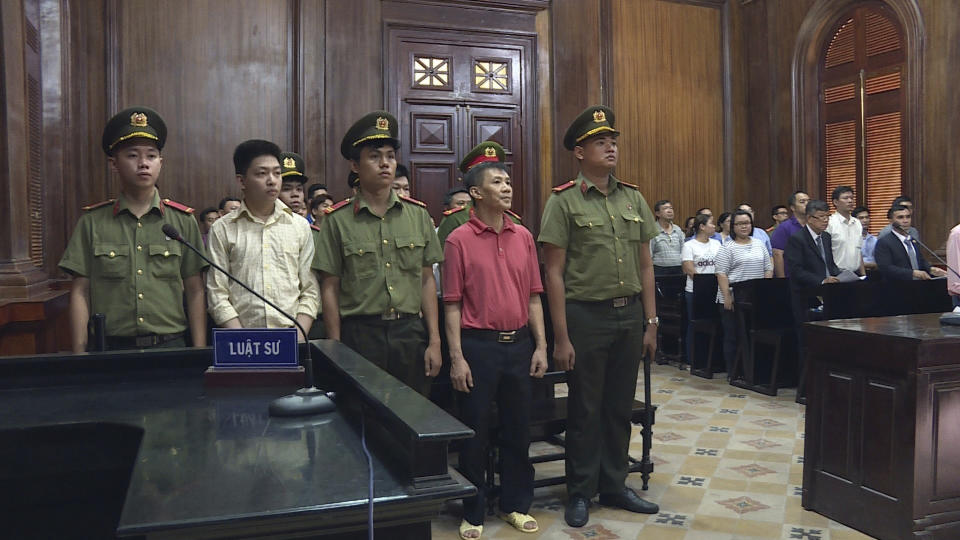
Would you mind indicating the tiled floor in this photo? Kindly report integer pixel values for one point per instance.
(728, 466)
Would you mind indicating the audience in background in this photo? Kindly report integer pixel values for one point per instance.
(317, 206)
(688, 226)
(314, 191)
(758, 233)
(779, 214)
(698, 256)
(798, 205)
(740, 259)
(846, 233)
(205, 219)
(456, 197)
(723, 228)
(869, 240)
(401, 181)
(907, 203)
(665, 247)
(227, 205)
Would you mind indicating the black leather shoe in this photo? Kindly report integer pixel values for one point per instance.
(578, 512)
(628, 500)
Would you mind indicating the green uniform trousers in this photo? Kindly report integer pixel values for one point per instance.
(608, 343)
(395, 346)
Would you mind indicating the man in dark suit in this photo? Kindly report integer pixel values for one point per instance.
(898, 255)
(809, 258)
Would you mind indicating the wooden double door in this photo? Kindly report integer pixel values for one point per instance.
(452, 91)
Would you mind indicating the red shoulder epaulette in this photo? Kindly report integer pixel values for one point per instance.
(561, 187)
(453, 210)
(414, 201)
(314, 227)
(99, 204)
(178, 206)
(628, 184)
(514, 214)
(337, 206)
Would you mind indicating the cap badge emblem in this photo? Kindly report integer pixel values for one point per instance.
(383, 123)
(289, 163)
(138, 119)
(599, 116)
(490, 152)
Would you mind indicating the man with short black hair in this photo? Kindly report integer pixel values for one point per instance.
(898, 256)
(227, 205)
(293, 177)
(401, 182)
(778, 241)
(375, 258)
(314, 191)
(779, 214)
(846, 233)
(665, 248)
(265, 245)
(456, 197)
(907, 203)
(494, 327)
(869, 240)
(206, 218)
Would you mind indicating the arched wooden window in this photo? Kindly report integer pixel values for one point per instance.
(861, 78)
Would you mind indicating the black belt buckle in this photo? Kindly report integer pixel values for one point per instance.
(621, 301)
(507, 337)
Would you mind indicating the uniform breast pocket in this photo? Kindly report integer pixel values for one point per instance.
(360, 259)
(112, 260)
(410, 252)
(590, 229)
(165, 260)
(632, 226)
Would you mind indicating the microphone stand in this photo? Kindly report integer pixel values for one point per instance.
(307, 400)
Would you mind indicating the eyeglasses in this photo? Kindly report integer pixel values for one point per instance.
(742, 224)
(823, 217)
(782, 213)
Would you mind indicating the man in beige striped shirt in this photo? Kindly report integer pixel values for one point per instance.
(264, 244)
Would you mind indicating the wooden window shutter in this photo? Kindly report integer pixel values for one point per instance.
(861, 109)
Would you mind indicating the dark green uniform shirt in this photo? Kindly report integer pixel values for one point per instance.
(602, 235)
(136, 273)
(458, 216)
(379, 260)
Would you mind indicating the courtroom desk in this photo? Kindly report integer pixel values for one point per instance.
(882, 443)
(83, 436)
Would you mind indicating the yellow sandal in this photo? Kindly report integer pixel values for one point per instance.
(518, 520)
(466, 526)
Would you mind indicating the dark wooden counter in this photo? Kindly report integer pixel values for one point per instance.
(190, 463)
(882, 448)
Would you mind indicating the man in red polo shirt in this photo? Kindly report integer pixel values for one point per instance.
(494, 325)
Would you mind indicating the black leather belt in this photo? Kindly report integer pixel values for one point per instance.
(618, 302)
(391, 315)
(500, 336)
(150, 340)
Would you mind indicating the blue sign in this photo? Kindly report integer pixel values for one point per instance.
(255, 348)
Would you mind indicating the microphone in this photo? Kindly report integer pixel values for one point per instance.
(307, 400)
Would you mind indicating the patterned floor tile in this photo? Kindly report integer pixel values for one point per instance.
(728, 464)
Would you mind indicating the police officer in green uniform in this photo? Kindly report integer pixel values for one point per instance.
(599, 281)
(293, 179)
(122, 263)
(375, 259)
(484, 152)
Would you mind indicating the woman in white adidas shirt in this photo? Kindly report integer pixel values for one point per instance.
(698, 256)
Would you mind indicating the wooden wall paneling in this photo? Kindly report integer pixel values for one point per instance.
(20, 145)
(936, 191)
(219, 72)
(53, 36)
(737, 106)
(545, 112)
(352, 77)
(671, 111)
(312, 142)
(577, 73)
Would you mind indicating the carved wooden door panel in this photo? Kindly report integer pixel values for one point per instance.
(449, 96)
